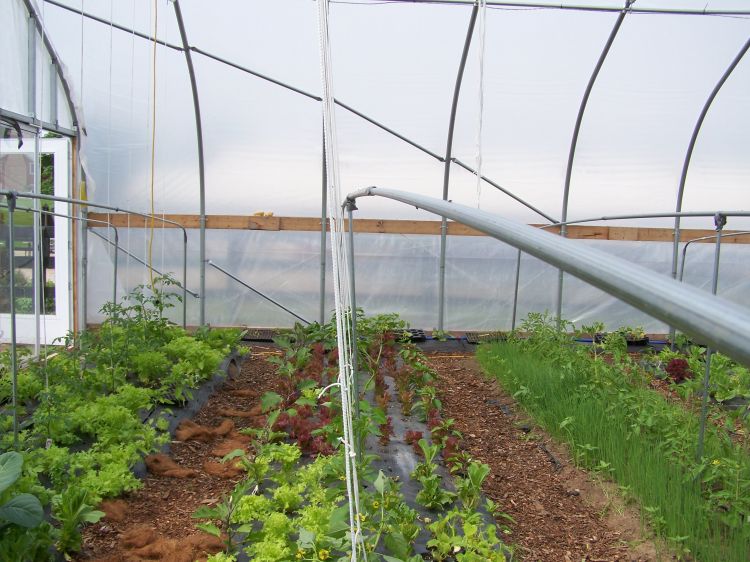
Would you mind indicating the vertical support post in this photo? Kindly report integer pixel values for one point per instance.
(447, 171)
(31, 65)
(515, 291)
(350, 207)
(201, 165)
(53, 94)
(719, 221)
(114, 266)
(184, 279)
(84, 269)
(323, 227)
(688, 157)
(574, 142)
(37, 277)
(31, 107)
(11, 199)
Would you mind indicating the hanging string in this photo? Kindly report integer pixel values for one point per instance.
(126, 283)
(40, 238)
(83, 10)
(340, 281)
(153, 142)
(109, 114)
(163, 240)
(482, 17)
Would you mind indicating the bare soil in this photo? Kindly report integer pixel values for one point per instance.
(155, 522)
(559, 513)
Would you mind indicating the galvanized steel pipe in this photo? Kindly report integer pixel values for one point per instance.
(447, 169)
(722, 324)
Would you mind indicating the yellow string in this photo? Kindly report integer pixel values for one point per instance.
(153, 145)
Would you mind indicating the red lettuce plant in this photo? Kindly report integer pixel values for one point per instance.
(678, 370)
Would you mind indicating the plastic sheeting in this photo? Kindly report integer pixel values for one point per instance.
(398, 273)
(14, 49)
(49, 103)
(397, 63)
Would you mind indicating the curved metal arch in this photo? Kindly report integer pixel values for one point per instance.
(691, 147)
(689, 155)
(448, 160)
(201, 162)
(577, 130)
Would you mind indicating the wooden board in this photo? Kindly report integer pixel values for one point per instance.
(388, 226)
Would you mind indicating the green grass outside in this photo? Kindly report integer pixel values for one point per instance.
(639, 439)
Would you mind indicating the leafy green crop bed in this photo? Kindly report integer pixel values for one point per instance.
(85, 421)
(292, 504)
(602, 406)
(81, 413)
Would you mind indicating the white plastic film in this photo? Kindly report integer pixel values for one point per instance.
(396, 273)
(14, 49)
(397, 63)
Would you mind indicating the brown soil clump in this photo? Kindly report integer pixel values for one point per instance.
(114, 510)
(138, 536)
(227, 446)
(190, 431)
(161, 465)
(143, 542)
(222, 469)
(233, 413)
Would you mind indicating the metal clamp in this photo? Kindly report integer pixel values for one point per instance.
(720, 220)
(11, 197)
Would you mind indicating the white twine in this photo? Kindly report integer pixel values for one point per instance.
(340, 279)
(326, 389)
(482, 29)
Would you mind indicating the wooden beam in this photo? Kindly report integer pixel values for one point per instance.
(389, 226)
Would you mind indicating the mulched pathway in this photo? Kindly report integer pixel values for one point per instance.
(155, 522)
(560, 513)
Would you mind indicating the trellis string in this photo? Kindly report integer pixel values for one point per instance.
(482, 27)
(340, 280)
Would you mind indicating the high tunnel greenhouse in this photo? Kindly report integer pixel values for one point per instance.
(393, 280)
